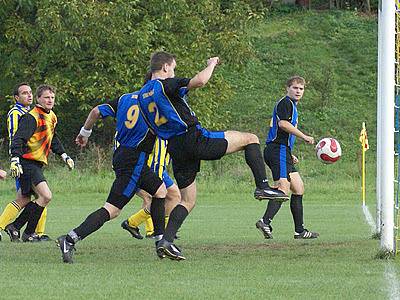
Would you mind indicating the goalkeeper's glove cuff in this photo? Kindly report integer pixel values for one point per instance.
(68, 160)
(15, 159)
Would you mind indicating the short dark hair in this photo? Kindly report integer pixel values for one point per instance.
(44, 87)
(158, 59)
(16, 88)
(295, 79)
(147, 77)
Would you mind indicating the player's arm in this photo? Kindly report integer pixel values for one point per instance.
(26, 128)
(58, 148)
(3, 174)
(12, 122)
(201, 78)
(284, 111)
(12, 125)
(289, 128)
(108, 109)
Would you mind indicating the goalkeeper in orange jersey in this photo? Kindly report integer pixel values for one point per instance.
(158, 162)
(30, 147)
(23, 99)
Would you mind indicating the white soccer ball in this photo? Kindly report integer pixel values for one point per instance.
(328, 150)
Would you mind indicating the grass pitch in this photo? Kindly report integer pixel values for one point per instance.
(226, 256)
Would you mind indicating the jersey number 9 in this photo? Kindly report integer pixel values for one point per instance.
(132, 116)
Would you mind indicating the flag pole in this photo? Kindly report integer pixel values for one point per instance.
(363, 131)
(362, 137)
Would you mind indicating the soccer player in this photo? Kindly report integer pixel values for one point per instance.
(135, 142)
(29, 150)
(278, 156)
(164, 105)
(158, 162)
(23, 99)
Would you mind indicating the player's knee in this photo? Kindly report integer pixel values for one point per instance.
(112, 210)
(188, 203)
(22, 201)
(297, 185)
(173, 194)
(299, 190)
(44, 199)
(252, 139)
(161, 192)
(114, 214)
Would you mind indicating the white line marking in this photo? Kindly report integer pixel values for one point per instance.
(369, 218)
(391, 281)
(390, 271)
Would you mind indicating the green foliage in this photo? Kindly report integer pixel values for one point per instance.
(336, 53)
(101, 49)
(94, 50)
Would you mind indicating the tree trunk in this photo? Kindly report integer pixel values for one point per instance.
(367, 5)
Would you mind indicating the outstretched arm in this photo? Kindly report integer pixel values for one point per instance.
(86, 130)
(201, 78)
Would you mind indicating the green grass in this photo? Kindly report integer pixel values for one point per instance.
(226, 256)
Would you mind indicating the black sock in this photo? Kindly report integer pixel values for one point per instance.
(176, 218)
(23, 216)
(34, 216)
(254, 160)
(296, 207)
(272, 209)
(92, 223)
(157, 211)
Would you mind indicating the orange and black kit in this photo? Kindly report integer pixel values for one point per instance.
(36, 136)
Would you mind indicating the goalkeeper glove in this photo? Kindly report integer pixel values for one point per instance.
(68, 160)
(15, 167)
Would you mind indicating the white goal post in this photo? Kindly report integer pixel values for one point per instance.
(385, 122)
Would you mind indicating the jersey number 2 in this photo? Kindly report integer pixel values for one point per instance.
(158, 120)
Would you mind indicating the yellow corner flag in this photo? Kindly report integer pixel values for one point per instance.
(364, 144)
(364, 138)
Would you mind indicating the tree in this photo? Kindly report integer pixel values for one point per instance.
(93, 50)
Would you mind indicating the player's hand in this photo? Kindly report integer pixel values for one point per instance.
(213, 61)
(3, 174)
(295, 159)
(308, 139)
(15, 167)
(68, 160)
(81, 140)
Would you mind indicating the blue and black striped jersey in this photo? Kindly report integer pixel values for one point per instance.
(131, 129)
(163, 103)
(285, 109)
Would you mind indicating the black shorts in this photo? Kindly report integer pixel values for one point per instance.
(188, 149)
(131, 173)
(32, 175)
(278, 157)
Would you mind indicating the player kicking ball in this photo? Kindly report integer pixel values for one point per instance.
(163, 103)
